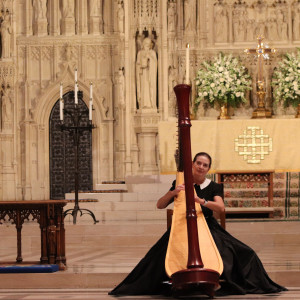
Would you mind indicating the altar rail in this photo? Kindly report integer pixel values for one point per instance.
(49, 215)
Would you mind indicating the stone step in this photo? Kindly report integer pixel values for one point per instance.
(104, 216)
(110, 186)
(154, 196)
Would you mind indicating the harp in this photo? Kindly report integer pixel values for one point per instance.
(192, 260)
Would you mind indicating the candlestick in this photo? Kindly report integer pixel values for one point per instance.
(187, 67)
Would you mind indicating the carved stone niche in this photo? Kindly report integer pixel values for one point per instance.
(146, 128)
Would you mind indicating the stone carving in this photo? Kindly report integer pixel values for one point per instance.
(68, 8)
(221, 23)
(250, 30)
(94, 8)
(40, 9)
(296, 21)
(189, 15)
(146, 75)
(281, 24)
(6, 31)
(120, 16)
(172, 83)
(121, 85)
(105, 106)
(6, 104)
(172, 16)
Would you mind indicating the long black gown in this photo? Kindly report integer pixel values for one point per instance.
(243, 271)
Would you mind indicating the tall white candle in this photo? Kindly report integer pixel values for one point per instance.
(75, 75)
(76, 96)
(187, 66)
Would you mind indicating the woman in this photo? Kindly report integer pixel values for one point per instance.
(243, 271)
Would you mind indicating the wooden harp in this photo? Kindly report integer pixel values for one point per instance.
(192, 260)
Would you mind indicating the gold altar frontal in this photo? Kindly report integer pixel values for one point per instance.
(241, 145)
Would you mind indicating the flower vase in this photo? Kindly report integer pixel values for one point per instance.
(224, 112)
(298, 111)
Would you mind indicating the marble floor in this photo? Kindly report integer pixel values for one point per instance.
(100, 256)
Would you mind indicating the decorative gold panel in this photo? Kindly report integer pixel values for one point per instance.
(253, 144)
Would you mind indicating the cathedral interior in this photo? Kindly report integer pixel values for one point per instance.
(124, 58)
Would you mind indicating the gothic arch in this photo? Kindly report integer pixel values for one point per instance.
(41, 119)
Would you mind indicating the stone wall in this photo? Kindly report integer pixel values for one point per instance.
(42, 42)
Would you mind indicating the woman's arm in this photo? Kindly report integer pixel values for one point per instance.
(216, 205)
(164, 201)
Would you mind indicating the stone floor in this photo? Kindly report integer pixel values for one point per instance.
(99, 257)
(101, 294)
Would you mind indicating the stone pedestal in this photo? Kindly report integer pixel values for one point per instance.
(94, 25)
(68, 26)
(41, 27)
(146, 128)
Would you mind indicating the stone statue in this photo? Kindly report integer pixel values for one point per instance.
(171, 16)
(189, 15)
(121, 85)
(146, 75)
(94, 8)
(6, 104)
(68, 8)
(273, 34)
(172, 82)
(6, 31)
(281, 24)
(120, 15)
(221, 27)
(249, 30)
(296, 22)
(40, 9)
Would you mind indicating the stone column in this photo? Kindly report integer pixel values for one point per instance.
(146, 128)
(163, 64)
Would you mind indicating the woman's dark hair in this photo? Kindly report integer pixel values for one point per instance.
(203, 154)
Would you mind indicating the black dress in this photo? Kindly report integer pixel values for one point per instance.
(243, 271)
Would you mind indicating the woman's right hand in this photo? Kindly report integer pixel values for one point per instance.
(179, 188)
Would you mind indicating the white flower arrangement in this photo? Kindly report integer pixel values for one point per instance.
(286, 80)
(223, 80)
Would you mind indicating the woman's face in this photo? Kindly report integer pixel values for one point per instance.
(201, 165)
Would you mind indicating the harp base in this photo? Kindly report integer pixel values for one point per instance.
(195, 281)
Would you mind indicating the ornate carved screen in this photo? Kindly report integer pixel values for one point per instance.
(62, 152)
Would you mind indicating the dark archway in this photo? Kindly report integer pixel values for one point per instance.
(62, 151)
